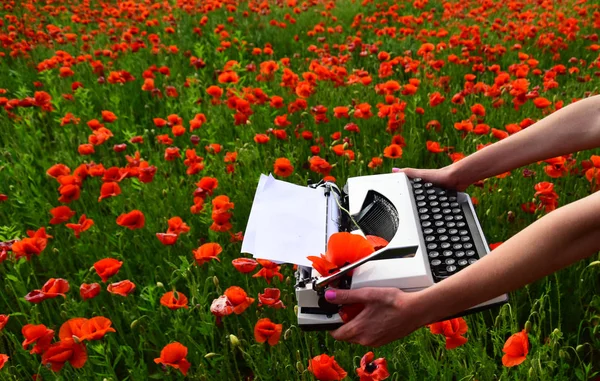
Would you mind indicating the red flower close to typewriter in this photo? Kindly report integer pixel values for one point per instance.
(453, 330)
(372, 370)
(52, 289)
(515, 349)
(342, 249)
(268, 271)
(174, 355)
(270, 298)
(234, 300)
(266, 330)
(244, 265)
(325, 368)
(174, 300)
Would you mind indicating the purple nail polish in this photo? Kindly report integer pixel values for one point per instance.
(329, 294)
(395, 169)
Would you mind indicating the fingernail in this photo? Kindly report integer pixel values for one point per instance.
(395, 169)
(329, 294)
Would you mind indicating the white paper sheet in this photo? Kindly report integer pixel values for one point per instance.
(287, 222)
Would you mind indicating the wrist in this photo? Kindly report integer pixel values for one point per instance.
(459, 175)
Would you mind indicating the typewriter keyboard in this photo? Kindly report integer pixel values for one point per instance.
(448, 240)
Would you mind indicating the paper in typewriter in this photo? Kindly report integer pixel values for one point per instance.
(287, 222)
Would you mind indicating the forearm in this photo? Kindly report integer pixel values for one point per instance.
(573, 128)
(562, 237)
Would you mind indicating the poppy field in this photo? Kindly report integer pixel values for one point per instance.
(133, 134)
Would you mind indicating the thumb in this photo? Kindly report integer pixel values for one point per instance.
(338, 296)
(410, 172)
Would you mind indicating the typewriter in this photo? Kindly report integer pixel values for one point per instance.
(432, 233)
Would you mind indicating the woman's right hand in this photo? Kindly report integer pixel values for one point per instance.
(444, 177)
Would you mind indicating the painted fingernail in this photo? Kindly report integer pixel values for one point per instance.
(329, 294)
(395, 169)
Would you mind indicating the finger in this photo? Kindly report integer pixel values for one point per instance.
(347, 332)
(337, 296)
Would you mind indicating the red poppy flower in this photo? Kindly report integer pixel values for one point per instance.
(83, 225)
(95, 328)
(3, 321)
(515, 349)
(283, 167)
(177, 226)
(325, 368)
(33, 245)
(453, 330)
(38, 334)
(122, 288)
(109, 189)
(61, 214)
(372, 370)
(244, 265)
(270, 298)
(174, 300)
(266, 330)
(52, 289)
(89, 291)
(132, 220)
(167, 239)
(58, 170)
(108, 116)
(342, 249)
(376, 242)
(173, 355)
(71, 329)
(3, 360)
(65, 351)
(207, 252)
(107, 267)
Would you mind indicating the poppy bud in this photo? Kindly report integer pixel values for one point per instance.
(531, 373)
(55, 250)
(595, 263)
(76, 339)
(287, 334)
(160, 285)
(288, 280)
(511, 216)
(345, 145)
(296, 310)
(195, 140)
(164, 193)
(134, 323)
(210, 355)
(497, 321)
(580, 348)
(528, 326)
(119, 147)
(300, 367)
(564, 355)
(235, 342)
(298, 356)
(216, 281)
(63, 314)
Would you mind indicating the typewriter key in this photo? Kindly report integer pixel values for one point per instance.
(424, 216)
(445, 245)
(452, 231)
(417, 179)
(443, 237)
(472, 260)
(454, 205)
(431, 246)
(423, 210)
(417, 186)
(427, 231)
(452, 198)
(463, 232)
(430, 191)
(437, 216)
(443, 198)
(451, 268)
(441, 230)
(425, 224)
(457, 246)
(455, 238)
(421, 204)
(465, 238)
(458, 217)
(449, 261)
(435, 210)
(433, 203)
(445, 205)
(428, 185)
(420, 198)
(441, 192)
(461, 224)
(447, 253)
(450, 224)
(430, 238)
(433, 254)
(459, 254)
(449, 218)
(436, 262)
(456, 210)
(432, 197)
(468, 245)
(418, 191)
(439, 223)
(470, 253)
(462, 262)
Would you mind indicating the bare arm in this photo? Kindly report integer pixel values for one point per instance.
(555, 241)
(573, 128)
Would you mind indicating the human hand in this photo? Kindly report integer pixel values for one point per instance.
(446, 177)
(389, 314)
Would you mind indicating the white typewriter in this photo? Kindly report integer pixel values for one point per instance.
(433, 233)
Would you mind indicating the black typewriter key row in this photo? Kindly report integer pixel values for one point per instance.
(449, 244)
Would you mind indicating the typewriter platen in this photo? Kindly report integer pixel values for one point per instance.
(433, 233)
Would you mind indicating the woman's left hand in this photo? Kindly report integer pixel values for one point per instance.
(389, 314)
